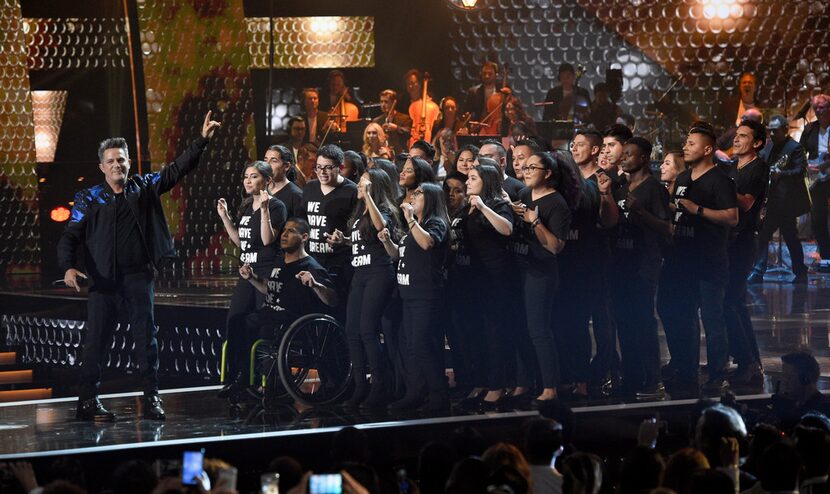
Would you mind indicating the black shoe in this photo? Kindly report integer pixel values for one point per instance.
(376, 397)
(471, 403)
(152, 407)
(656, 392)
(755, 278)
(485, 406)
(518, 402)
(92, 410)
(684, 389)
(408, 403)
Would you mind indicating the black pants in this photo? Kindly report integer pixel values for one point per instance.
(637, 328)
(425, 347)
(466, 350)
(134, 291)
(742, 343)
(262, 323)
(606, 361)
(573, 306)
(245, 300)
(788, 224)
(394, 342)
(540, 290)
(820, 193)
(369, 295)
(680, 294)
(491, 304)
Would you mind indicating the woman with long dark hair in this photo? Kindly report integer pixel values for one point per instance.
(415, 171)
(421, 254)
(258, 224)
(371, 286)
(545, 208)
(354, 164)
(486, 228)
(466, 158)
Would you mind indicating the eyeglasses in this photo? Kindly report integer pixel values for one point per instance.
(325, 168)
(529, 169)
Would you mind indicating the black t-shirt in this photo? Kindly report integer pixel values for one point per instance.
(260, 257)
(636, 250)
(421, 272)
(584, 241)
(287, 293)
(292, 196)
(130, 253)
(513, 186)
(326, 213)
(751, 179)
(700, 244)
(555, 215)
(369, 252)
(487, 248)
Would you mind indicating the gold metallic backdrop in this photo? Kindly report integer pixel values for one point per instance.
(196, 59)
(313, 42)
(74, 43)
(19, 232)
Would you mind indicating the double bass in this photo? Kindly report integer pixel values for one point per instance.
(495, 122)
(344, 111)
(423, 113)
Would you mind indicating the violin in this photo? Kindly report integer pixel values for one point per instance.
(344, 111)
(423, 113)
(495, 121)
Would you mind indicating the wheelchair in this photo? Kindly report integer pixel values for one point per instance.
(307, 361)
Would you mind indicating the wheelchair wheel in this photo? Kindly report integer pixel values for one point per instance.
(314, 366)
(267, 376)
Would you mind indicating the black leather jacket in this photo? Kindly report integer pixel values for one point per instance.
(91, 227)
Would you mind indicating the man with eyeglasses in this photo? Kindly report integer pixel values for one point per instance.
(494, 150)
(328, 202)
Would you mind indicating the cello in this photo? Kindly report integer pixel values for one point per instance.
(345, 112)
(423, 113)
(496, 121)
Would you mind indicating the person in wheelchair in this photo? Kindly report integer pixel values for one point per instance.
(298, 285)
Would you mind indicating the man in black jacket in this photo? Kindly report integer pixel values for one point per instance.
(787, 199)
(816, 141)
(120, 229)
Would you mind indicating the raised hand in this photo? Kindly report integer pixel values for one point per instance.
(263, 199)
(603, 183)
(408, 211)
(475, 201)
(222, 208)
(335, 238)
(384, 236)
(306, 279)
(209, 126)
(246, 272)
(366, 185)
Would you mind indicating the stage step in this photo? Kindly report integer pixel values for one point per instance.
(16, 376)
(8, 358)
(25, 394)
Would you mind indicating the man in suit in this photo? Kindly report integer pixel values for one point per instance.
(563, 95)
(477, 96)
(397, 125)
(788, 199)
(816, 140)
(316, 121)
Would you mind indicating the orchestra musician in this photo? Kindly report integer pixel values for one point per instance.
(397, 125)
(562, 96)
(449, 119)
(342, 104)
(815, 139)
(423, 111)
(478, 95)
(316, 121)
(732, 109)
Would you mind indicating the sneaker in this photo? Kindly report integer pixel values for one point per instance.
(93, 411)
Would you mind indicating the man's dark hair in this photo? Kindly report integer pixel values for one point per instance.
(642, 470)
(285, 155)
(814, 447)
(499, 146)
(600, 87)
(566, 67)
(543, 438)
(533, 145)
(618, 132)
(331, 152)
(426, 147)
(806, 365)
(336, 73)
(411, 72)
(779, 467)
(295, 119)
(705, 129)
(759, 132)
(642, 143)
(303, 228)
(592, 135)
(112, 143)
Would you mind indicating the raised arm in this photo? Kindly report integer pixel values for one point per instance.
(500, 223)
(222, 209)
(171, 174)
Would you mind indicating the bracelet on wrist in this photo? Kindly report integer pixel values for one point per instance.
(535, 223)
(411, 222)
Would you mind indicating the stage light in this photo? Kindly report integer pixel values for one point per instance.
(722, 9)
(59, 214)
(466, 4)
(47, 111)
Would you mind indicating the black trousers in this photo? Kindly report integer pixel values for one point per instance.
(820, 193)
(540, 290)
(369, 295)
(606, 360)
(466, 350)
(134, 292)
(262, 323)
(492, 306)
(742, 343)
(681, 292)
(637, 329)
(394, 342)
(425, 347)
(788, 224)
(573, 306)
